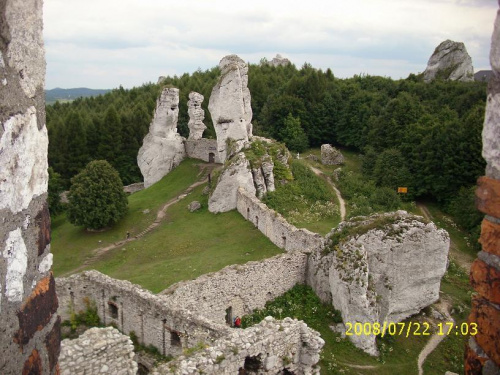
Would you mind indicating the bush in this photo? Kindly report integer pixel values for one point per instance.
(96, 197)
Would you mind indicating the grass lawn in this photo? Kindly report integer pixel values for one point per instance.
(187, 245)
(71, 245)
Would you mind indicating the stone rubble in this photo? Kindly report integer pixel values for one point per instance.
(98, 351)
(451, 61)
(163, 148)
(194, 206)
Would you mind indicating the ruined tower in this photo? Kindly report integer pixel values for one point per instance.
(29, 325)
(483, 351)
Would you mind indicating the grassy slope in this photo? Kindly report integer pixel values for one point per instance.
(187, 245)
(184, 246)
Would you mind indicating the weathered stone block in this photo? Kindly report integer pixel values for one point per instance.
(488, 196)
(37, 311)
(490, 237)
(487, 317)
(485, 280)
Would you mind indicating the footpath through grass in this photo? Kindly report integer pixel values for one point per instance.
(71, 245)
(187, 245)
(184, 246)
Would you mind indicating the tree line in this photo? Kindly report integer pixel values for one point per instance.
(426, 137)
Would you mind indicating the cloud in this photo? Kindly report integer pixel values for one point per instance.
(133, 41)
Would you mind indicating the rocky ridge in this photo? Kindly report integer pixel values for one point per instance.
(196, 116)
(450, 61)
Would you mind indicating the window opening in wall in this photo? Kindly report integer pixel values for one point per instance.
(248, 213)
(284, 241)
(113, 310)
(229, 316)
(175, 338)
(211, 157)
(256, 221)
(253, 364)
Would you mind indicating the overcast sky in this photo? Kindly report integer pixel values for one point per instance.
(107, 43)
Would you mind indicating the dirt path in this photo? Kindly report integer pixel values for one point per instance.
(160, 215)
(443, 307)
(463, 260)
(317, 172)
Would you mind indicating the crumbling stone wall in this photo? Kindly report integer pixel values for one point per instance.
(203, 149)
(29, 326)
(275, 227)
(98, 351)
(240, 288)
(267, 348)
(154, 320)
(483, 351)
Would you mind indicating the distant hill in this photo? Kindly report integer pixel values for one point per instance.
(68, 95)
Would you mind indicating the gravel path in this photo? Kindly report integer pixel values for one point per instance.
(317, 172)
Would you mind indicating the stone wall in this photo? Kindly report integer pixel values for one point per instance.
(275, 227)
(202, 149)
(130, 308)
(239, 289)
(98, 351)
(267, 348)
(29, 326)
(483, 352)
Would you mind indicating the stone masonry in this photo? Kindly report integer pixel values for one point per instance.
(98, 351)
(482, 354)
(30, 327)
(267, 348)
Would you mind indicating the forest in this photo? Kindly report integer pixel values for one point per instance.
(424, 136)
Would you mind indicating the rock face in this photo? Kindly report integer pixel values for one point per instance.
(196, 116)
(450, 61)
(230, 107)
(382, 275)
(29, 324)
(103, 350)
(330, 155)
(237, 174)
(279, 61)
(194, 206)
(163, 148)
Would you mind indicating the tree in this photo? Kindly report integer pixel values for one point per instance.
(55, 189)
(96, 197)
(293, 135)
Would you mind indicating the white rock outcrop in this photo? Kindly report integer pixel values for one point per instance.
(450, 61)
(388, 271)
(331, 156)
(230, 107)
(279, 61)
(236, 175)
(196, 116)
(163, 148)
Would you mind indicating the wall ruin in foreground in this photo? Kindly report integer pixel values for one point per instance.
(131, 308)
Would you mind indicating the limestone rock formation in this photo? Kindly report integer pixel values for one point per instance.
(279, 61)
(237, 174)
(389, 270)
(331, 156)
(450, 61)
(196, 116)
(163, 148)
(230, 106)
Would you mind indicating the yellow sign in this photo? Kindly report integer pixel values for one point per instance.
(403, 190)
